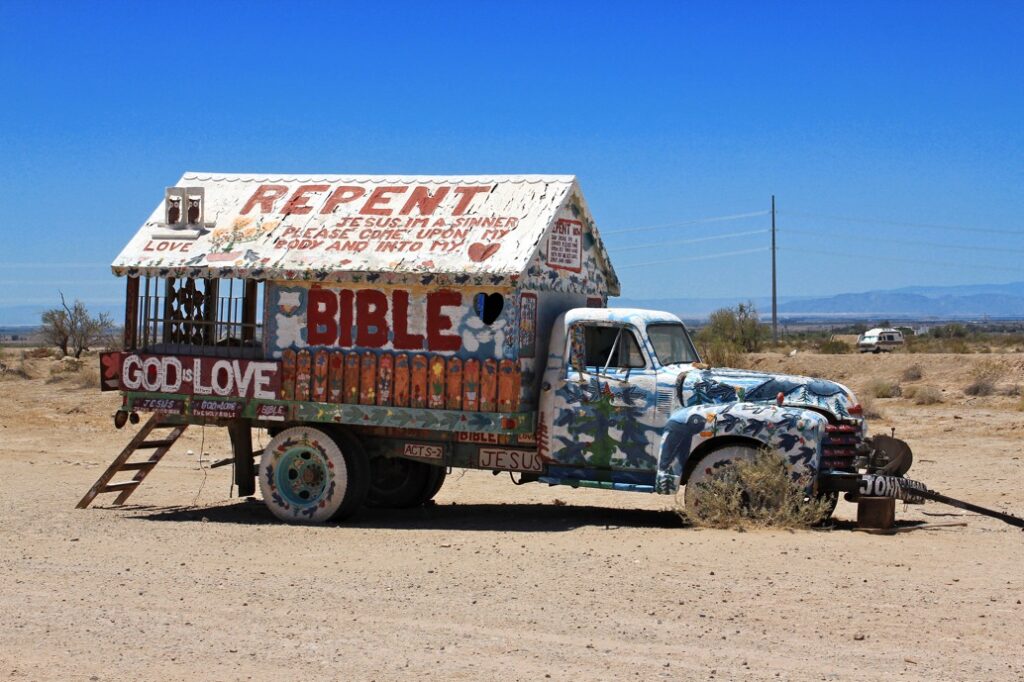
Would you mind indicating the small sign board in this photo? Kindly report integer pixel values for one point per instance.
(507, 459)
(217, 409)
(423, 451)
(161, 405)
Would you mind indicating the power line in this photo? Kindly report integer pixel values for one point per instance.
(907, 243)
(699, 221)
(929, 226)
(873, 257)
(690, 241)
(693, 258)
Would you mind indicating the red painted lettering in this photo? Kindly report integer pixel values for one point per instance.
(371, 311)
(345, 299)
(422, 199)
(321, 311)
(265, 196)
(467, 196)
(375, 204)
(402, 339)
(297, 204)
(438, 322)
(342, 195)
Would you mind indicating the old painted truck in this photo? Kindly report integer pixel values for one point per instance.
(387, 329)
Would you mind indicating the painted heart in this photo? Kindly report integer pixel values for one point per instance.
(480, 252)
(488, 307)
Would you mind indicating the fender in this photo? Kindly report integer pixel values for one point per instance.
(793, 432)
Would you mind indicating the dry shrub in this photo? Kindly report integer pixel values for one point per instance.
(870, 409)
(834, 347)
(88, 378)
(983, 380)
(721, 353)
(37, 353)
(884, 388)
(757, 493)
(15, 370)
(927, 395)
(913, 373)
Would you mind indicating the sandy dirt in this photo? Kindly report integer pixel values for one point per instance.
(498, 582)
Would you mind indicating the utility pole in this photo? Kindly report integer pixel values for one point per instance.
(775, 302)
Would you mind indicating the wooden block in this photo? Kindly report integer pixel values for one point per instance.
(368, 380)
(489, 385)
(876, 512)
(302, 375)
(418, 380)
(336, 377)
(471, 385)
(320, 375)
(508, 386)
(385, 378)
(453, 385)
(436, 383)
(288, 375)
(352, 377)
(401, 380)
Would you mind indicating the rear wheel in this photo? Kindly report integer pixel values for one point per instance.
(308, 476)
(401, 483)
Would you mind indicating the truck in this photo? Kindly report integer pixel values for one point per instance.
(880, 339)
(387, 329)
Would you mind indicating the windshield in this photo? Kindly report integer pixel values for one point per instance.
(671, 343)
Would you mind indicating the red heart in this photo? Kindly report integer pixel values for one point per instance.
(481, 252)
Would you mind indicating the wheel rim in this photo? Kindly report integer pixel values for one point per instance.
(302, 475)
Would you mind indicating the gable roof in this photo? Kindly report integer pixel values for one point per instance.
(325, 226)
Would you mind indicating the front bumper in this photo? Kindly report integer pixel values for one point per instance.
(872, 485)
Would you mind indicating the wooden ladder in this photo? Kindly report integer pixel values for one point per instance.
(159, 447)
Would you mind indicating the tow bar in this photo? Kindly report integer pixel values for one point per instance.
(896, 487)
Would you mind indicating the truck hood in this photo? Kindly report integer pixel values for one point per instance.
(710, 386)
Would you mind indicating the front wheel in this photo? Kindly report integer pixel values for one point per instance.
(307, 477)
(707, 469)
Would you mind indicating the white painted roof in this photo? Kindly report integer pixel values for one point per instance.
(486, 225)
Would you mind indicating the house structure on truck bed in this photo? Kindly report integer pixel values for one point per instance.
(384, 302)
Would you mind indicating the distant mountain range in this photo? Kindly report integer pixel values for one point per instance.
(999, 301)
(971, 301)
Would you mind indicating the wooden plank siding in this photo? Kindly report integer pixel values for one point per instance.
(421, 380)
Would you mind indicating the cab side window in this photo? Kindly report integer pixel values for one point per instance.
(612, 347)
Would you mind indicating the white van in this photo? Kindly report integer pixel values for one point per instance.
(879, 339)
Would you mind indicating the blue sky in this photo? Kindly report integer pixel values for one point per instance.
(888, 113)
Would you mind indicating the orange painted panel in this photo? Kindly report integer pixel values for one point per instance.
(302, 375)
(418, 382)
(435, 383)
(471, 385)
(320, 374)
(453, 387)
(385, 378)
(288, 375)
(508, 386)
(352, 377)
(368, 380)
(489, 385)
(401, 380)
(336, 377)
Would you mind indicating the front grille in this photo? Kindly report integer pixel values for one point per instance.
(839, 447)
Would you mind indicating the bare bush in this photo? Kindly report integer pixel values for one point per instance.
(729, 333)
(720, 353)
(913, 373)
(884, 388)
(927, 395)
(834, 347)
(870, 409)
(757, 493)
(983, 380)
(73, 330)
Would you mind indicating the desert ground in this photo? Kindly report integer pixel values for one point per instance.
(498, 582)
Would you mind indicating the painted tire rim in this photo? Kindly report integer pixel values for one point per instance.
(303, 475)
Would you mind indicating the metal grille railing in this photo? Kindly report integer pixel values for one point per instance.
(184, 316)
